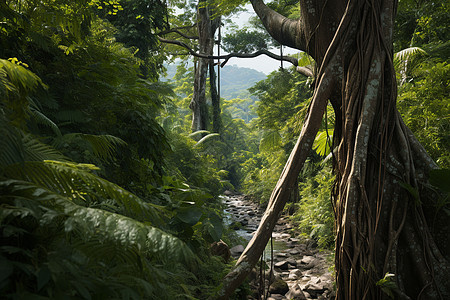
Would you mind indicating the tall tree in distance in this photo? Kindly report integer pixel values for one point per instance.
(207, 27)
(383, 203)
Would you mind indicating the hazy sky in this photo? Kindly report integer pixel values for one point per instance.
(261, 63)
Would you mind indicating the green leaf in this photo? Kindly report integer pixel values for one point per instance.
(206, 138)
(270, 140)
(217, 227)
(198, 132)
(43, 277)
(190, 215)
(322, 142)
(413, 191)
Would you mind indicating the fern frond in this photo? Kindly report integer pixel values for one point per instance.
(76, 181)
(127, 233)
(102, 146)
(206, 138)
(72, 116)
(270, 140)
(11, 146)
(42, 119)
(35, 150)
(93, 228)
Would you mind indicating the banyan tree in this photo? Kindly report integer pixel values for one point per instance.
(386, 220)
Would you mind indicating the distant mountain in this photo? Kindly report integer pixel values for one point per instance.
(234, 80)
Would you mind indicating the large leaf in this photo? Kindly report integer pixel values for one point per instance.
(190, 215)
(322, 142)
(76, 180)
(93, 227)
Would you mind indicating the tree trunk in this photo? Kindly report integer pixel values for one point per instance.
(215, 100)
(206, 29)
(380, 227)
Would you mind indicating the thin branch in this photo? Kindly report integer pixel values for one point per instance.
(227, 57)
(175, 30)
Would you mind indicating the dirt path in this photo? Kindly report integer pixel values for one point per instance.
(301, 271)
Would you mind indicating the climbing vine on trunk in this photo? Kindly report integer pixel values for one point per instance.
(382, 203)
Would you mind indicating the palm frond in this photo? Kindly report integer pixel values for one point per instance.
(409, 53)
(198, 132)
(76, 182)
(102, 146)
(322, 142)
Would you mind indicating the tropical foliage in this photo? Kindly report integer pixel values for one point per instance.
(104, 190)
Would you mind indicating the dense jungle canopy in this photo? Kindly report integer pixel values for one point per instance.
(112, 171)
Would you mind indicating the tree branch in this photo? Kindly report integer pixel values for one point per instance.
(284, 30)
(227, 57)
(175, 30)
(305, 71)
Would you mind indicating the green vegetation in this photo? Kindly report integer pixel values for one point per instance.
(104, 190)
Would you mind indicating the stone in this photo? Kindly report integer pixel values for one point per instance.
(315, 280)
(291, 262)
(295, 293)
(281, 254)
(297, 272)
(243, 222)
(275, 297)
(229, 193)
(307, 259)
(221, 249)
(237, 250)
(314, 289)
(294, 251)
(283, 265)
(279, 287)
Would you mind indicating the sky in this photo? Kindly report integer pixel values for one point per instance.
(261, 63)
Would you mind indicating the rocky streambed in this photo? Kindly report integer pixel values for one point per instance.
(300, 271)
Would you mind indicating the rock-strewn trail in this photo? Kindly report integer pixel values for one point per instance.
(301, 271)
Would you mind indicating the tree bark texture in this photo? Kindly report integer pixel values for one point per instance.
(215, 99)
(380, 226)
(206, 30)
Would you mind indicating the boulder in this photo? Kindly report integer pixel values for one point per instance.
(282, 265)
(221, 249)
(279, 287)
(295, 293)
(237, 250)
(292, 262)
(314, 289)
